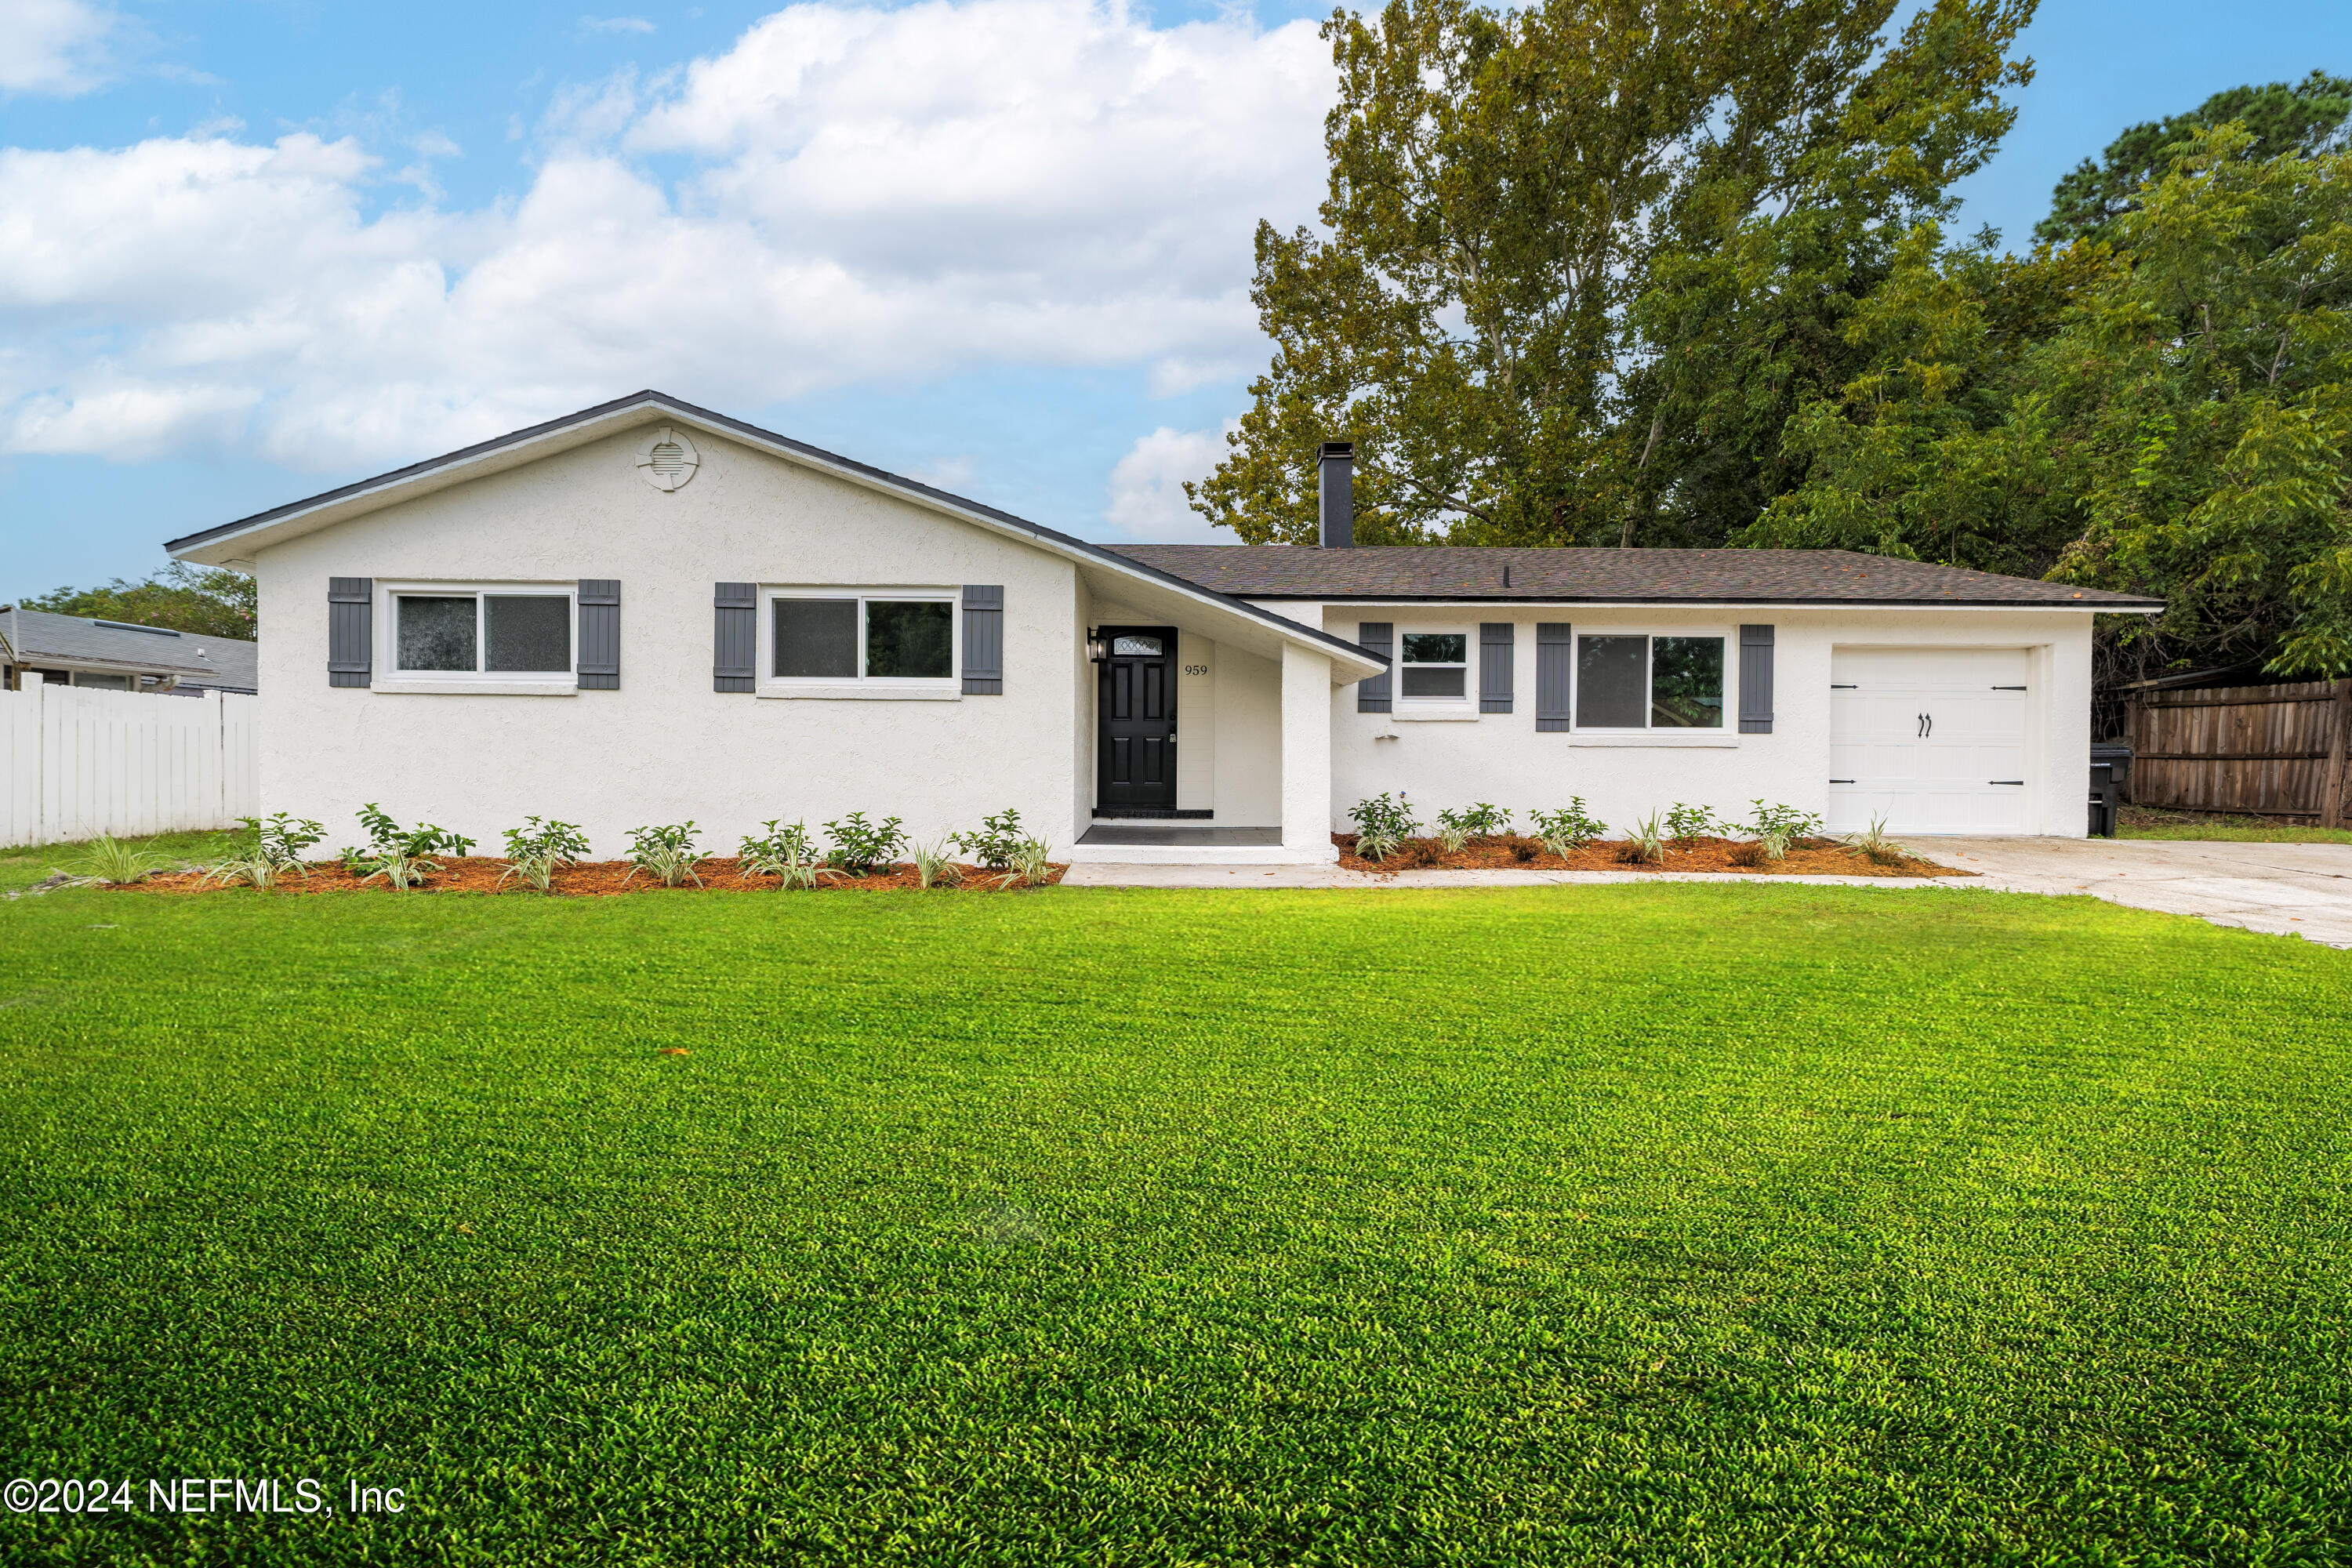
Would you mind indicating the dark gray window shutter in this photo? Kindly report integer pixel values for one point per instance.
(1756, 680)
(1555, 657)
(983, 639)
(351, 631)
(1380, 637)
(735, 635)
(600, 634)
(1494, 652)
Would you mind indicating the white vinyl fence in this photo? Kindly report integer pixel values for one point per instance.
(75, 762)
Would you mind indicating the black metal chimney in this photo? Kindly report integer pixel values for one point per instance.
(1335, 483)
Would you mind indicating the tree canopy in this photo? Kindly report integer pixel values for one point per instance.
(2306, 116)
(210, 601)
(1581, 258)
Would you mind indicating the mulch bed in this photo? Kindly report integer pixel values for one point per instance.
(590, 879)
(1806, 857)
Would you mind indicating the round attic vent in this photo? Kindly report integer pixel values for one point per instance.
(667, 458)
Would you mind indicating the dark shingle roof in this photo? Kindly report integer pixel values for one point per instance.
(1603, 577)
(35, 637)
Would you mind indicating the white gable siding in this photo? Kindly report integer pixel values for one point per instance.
(665, 747)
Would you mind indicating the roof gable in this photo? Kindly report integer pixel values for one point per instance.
(233, 541)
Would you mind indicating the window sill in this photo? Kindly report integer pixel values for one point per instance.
(411, 687)
(1432, 714)
(866, 691)
(1655, 738)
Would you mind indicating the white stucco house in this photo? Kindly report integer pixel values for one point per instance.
(647, 612)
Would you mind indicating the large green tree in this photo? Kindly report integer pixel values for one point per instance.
(1580, 259)
(2173, 416)
(208, 600)
(2306, 116)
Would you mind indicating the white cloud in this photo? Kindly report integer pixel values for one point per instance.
(1146, 487)
(52, 46)
(856, 196)
(616, 24)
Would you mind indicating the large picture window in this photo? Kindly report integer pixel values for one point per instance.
(489, 631)
(1435, 666)
(896, 636)
(1644, 682)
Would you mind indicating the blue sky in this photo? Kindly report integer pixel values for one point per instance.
(248, 251)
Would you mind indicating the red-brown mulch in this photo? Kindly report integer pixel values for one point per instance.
(1806, 857)
(590, 879)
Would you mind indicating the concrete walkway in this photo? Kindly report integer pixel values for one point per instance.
(2293, 889)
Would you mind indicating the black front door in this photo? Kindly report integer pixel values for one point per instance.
(1138, 703)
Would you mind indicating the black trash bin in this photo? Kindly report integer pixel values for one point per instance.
(2102, 800)
(2118, 756)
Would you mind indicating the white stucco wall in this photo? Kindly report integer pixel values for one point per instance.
(1502, 758)
(665, 747)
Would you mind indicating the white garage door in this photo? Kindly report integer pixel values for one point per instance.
(1933, 740)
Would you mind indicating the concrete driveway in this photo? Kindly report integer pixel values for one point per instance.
(2293, 889)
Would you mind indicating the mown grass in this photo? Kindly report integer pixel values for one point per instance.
(2146, 821)
(1666, 1223)
(22, 865)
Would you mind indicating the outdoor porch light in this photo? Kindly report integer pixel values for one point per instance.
(1097, 646)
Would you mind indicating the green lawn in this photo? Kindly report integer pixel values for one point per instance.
(22, 867)
(1665, 1223)
(2146, 821)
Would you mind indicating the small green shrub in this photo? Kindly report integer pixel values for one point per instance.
(1028, 866)
(266, 851)
(1382, 825)
(859, 846)
(934, 868)
(403, 856)
(1645, 843)
(1876, 847)
(993, 846)
(787, 854)
(537, 850)
(1686, 823)
(666, 854)
(108, 862)
(1568, 829)
(1455, 829)
(1775, 827)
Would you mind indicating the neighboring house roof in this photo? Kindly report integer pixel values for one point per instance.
(41, 637)
(1607, 576)
(219, 546)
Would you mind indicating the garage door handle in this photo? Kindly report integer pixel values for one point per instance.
(2008, 688)
(2005, 780)
(1841, 781)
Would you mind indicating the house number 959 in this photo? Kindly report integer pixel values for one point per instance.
(1196, 669)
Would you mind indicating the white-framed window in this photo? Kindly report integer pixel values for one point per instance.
(1637, 680)
(859, 642)
(1433, 666)
(476, 636)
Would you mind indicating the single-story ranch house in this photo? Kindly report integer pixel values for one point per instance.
(647, 612)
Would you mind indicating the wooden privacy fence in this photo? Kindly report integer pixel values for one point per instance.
(2275, 750)
(75, 762)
